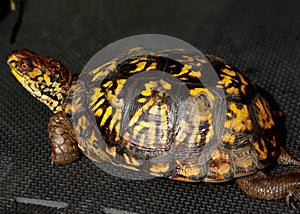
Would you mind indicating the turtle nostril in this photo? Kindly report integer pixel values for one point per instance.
(11, 61)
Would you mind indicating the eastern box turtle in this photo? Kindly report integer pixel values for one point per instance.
(147, 129)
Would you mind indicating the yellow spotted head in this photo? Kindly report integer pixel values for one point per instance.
(46, 79)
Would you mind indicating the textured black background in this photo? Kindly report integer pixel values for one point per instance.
(259, 37)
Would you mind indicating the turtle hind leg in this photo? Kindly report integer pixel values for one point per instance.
(286, 159)
(62, 140)
(275, 187)
(293, 195)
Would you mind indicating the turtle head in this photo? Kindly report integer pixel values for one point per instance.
(46, 79)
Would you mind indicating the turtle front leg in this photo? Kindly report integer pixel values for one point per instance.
(62, 140)
(275, 187)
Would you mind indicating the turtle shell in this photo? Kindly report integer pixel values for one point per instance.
(173, 114)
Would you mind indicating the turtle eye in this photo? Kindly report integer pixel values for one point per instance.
(25, 66)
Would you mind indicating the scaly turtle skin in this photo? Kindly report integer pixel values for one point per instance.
(148, 130)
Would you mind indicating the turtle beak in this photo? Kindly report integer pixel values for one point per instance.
(12, 59)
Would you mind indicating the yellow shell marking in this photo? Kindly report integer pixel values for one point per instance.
(242, 79)
(185, 69)
(264, 115)
(153, 110)
(111, 151)
(106, 115)
(181, 135)
(164, 120)
(243, 159)
(142, 100)
(138, 113)
(138, 60)
(195, 133)
(226, 80)
(76, 104)
(241, 122)
(98, 72)
(135, 49)
(115, 118)
(210, 133)
(245, 83)
(97, 93)
(186, 59)
(202, 61)
(126, 136)
(152, 132)
(165, 84)
(229, 138)
(229, 72)
(118, 126)
(130, 160)
(138, 128)
(221, 166)
(153, 66)
(82, 122)
(112, 96)
(162, 167)
(164, 113)
(142, 140)
(139, 67)
(148, 87)
(197, 91)
(232, 90)
(164, 138)
(99, 112)
(128, 167)
(188, 170)
(195, 74)
(93, 138)
(106, 85)
(100, 102)
(262, 153)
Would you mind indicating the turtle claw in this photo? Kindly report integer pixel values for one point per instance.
(293, 198)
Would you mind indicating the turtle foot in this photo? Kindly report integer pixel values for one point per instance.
(293, 198)
(62, 140)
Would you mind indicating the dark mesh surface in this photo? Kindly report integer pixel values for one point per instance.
(260, 37)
